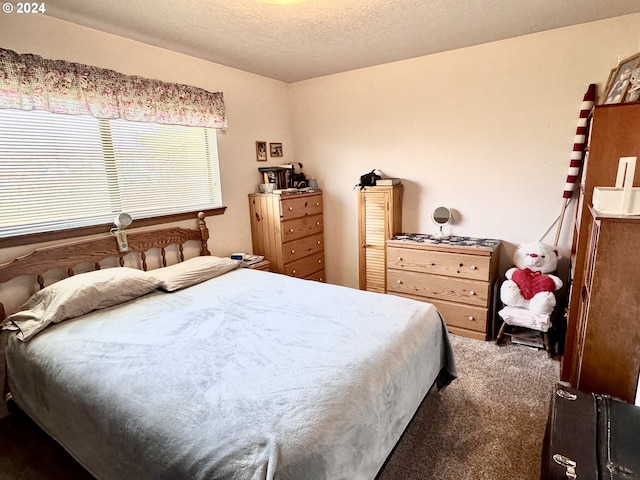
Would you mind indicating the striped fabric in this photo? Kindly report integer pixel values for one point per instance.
(579, 142)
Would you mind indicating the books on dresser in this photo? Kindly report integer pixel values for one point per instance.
(388, 182)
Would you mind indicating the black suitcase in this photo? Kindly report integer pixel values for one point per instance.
(590, 437)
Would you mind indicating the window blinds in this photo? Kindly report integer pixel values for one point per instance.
(66, 171)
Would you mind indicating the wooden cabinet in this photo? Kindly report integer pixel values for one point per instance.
(379, 218)
(608, 330)
(288, 230)
(456, 274)
(614, 134)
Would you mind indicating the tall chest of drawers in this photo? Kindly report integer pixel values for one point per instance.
(456, 274)
(288, 230)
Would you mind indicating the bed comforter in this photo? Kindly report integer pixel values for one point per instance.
(247, 376)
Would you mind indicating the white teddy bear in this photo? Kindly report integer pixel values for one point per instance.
(530, 285)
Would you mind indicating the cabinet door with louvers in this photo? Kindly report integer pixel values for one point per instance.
(379, 219)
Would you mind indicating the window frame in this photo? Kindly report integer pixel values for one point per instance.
(102, 227)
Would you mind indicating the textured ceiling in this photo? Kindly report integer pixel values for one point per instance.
(320, 37)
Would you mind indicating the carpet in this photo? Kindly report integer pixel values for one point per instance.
(488, 424)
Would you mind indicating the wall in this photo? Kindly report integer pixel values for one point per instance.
(486, 130)
(257, 107)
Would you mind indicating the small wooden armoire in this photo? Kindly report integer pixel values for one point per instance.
(379, 219)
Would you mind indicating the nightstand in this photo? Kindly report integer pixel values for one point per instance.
(263, 265)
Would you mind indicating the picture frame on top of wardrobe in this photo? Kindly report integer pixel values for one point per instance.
(619, 81)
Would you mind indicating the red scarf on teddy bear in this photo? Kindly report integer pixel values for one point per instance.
(531, 282)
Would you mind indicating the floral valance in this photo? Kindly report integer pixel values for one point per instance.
(30, 82)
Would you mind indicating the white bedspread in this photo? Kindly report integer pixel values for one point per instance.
(251, 375)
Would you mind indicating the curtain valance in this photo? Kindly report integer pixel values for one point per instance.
(30, 82)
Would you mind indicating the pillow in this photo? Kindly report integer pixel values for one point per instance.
(80, 294)
(192, 271)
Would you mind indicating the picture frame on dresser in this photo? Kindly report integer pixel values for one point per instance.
(619, 81)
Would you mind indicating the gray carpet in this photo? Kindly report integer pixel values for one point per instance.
(488, 424)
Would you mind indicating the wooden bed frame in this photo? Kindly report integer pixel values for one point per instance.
(67, 256)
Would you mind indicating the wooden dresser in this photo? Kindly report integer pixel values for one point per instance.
(288, 230)
(614, 134)
(379, 219)
(456, 274)
(608, 333)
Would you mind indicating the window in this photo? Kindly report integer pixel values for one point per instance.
(60, 172)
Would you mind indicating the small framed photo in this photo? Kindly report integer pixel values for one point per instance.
(617, 87)
(261, 151)
(610, 79)
(275, 149)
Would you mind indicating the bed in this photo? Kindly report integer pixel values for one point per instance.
(205, 369)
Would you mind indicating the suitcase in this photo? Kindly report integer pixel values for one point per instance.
(590, 437)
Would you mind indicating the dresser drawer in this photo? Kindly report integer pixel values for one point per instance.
(301, 227)
(466, 320)
(468, 317)
(317, 276)
(471, 292)
(475, 267)
(295, 207)
(306, 266)
(298, 249)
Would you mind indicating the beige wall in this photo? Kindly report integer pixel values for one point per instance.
(257, 107)
(486, 130)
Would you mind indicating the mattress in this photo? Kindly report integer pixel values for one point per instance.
(250, 375)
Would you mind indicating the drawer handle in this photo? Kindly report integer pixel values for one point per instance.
(472, 293)
(471, 318)
(293, 272)
(319, 261)
(319, 242)
(318, 223)
(473, 267)
(291, 209)
(291, 230)
(317, 204)
(293, 250)
(399, 282)
(399, 259)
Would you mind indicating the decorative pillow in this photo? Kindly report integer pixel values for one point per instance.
(192, 271)
(80, 294)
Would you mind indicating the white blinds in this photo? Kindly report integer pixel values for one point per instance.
(65, 171)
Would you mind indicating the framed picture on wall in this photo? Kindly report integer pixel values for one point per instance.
(617, 87)
(275, 149)
(261, 151)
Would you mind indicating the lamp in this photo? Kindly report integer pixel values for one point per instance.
(122, 221)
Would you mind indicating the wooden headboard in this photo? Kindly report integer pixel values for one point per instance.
(67, 256)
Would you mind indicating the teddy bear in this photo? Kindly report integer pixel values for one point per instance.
(530, 284)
